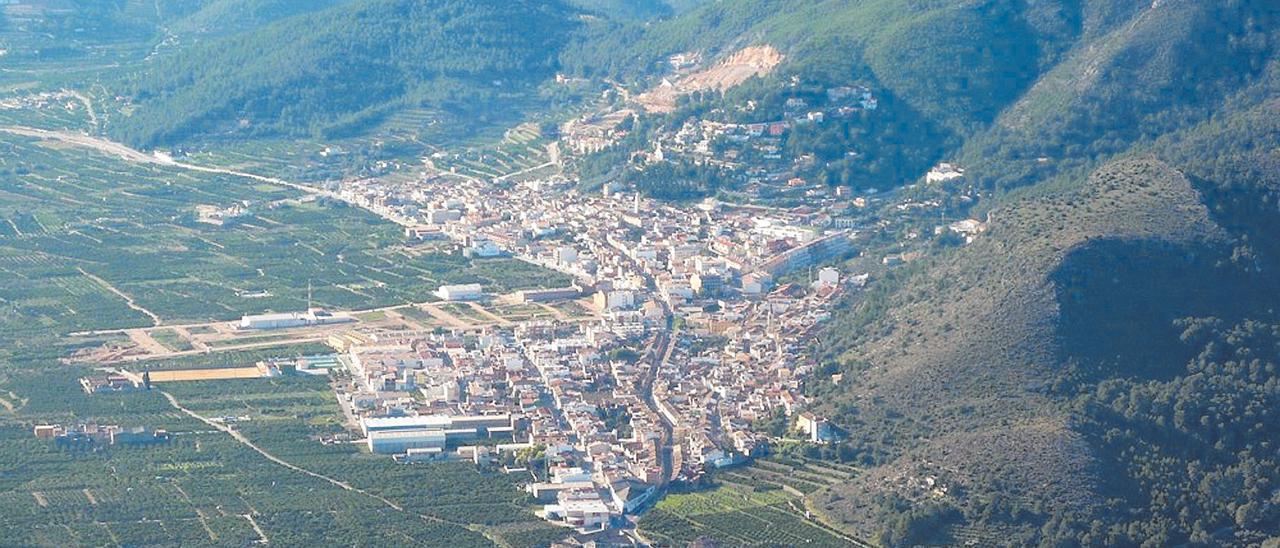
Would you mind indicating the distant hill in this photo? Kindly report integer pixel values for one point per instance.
(333, 70)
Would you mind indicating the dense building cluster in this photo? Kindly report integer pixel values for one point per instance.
(699, 326)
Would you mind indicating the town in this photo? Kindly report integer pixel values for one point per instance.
(683, 329)
(697, 325)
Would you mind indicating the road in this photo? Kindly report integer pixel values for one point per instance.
(128, 300)
(130, 154)
(659, 352)
(332, 481)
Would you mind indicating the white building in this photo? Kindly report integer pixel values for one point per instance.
(442, 216)
(401, 441)
(828, 277)
(943, 172)
(615, 300)
(287, 320)
(463, 292)
(484, 248)
(566, 255)
(583, 509)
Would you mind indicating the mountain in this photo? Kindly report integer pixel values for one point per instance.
(332, 70)
(913, 48)
(1097, 368)
(222, 17)
(1101, 366)
(906, 53)
(639, 10)
(1162, 69)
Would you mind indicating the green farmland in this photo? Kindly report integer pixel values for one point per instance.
(751, 506)
(82, 233)
(206, 489)
(89, 242)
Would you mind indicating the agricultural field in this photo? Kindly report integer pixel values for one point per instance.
(465, 313)
(171, 339)
(216, 359)
(748, 506)
(189, 375)
(573, 309)
(521, 149)
(206, 489)
(521, 312)
(88, 241)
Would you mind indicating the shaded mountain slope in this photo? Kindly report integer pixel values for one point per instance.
(958, 389)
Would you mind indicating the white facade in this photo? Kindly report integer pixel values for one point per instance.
(400, 441)
(828, 276)
(464, 292)
(943, 173)
(291, 319)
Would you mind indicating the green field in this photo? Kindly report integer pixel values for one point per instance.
(520, 149)
(74, 225)
(171, 340)
(89, 241)
(206, 489)
(749, 506)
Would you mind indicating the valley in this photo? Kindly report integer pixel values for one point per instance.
(639, 272)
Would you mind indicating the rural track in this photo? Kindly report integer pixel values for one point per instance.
(128, 300)
(243, 440)
(130, 154)
(249, 443)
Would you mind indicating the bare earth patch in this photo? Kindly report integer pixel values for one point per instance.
(729, 72)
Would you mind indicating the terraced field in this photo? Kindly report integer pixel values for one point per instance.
(522, 149)
(758, 505)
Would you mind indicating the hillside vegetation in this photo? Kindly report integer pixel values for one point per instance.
(336, 70)
(1028, 91)
(221, 17)
(1099, 367)
(1164, 69)
(913, 48)
(968, 376)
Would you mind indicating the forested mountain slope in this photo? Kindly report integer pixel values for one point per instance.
(1026, 90)
(332, 70)
(914, 48)
(222, 17)
(1164, 68)
(639, 10)
(1101, 366)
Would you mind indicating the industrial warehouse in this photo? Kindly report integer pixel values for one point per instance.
(434, 433)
